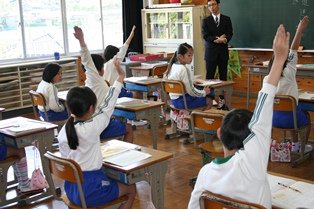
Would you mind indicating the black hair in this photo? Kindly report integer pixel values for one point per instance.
(78, 100)
(270, 64)
(182, 49)
(98, 61)
(218, 1)
(234, 128)
(109, 52)
(50, 71)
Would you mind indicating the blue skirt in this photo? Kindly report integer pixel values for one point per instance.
(115, 128)
(97, 187)
(284, 119)
(3, 151)
(55, 116)
(192, 102)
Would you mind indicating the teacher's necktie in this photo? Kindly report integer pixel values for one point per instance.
(216, 21)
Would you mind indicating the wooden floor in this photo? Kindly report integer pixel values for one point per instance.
(184, 165)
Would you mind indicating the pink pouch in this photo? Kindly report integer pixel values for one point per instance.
(38, 180)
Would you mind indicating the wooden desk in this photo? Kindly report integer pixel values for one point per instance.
(142, 84)
(62, 95)
(145, 69)
(152, 170)
(149, 110)
(302, 71)
(44, 135)
(225, 88)
(288, 198)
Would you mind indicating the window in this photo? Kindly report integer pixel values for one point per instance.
(112, 22)
(48, 27)
(43, 28)
(11, 45)
(87, 15)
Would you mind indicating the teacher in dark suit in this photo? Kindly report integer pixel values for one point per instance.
(217, 32)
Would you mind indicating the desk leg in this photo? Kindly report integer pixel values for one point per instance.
(153, 117)
(227, 92)
(157, 182)
(45, 142)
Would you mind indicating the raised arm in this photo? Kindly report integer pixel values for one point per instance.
(120, 71)
(281, 49)
(298, 34)
(128, 41)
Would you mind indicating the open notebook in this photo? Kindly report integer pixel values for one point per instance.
(122, 153)
(290, 194)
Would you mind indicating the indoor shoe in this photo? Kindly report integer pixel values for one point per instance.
(307, 148)
(139, 123)
(29, 190)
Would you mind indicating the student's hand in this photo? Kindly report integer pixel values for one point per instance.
(79, 35)
(120, 71)
(281, 49)
(128, 41)
(281, 44)
(207, 90)
(303, 24)
(133, 31)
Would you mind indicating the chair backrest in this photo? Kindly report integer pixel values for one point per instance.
(176, 87)
(66, 169)
(159, 70)
(38, 99)
(206, 121)
(286, 103)
(209, 200)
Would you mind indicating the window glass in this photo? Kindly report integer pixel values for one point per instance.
(43, 27)
(112, 22)
(85, 14)
(10, 31)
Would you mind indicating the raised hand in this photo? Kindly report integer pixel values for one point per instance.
(79, 35)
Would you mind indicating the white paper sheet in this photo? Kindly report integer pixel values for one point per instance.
(287, 197)
(128, 157)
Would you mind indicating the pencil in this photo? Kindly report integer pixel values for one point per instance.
(289, 187)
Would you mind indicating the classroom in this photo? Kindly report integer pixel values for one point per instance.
(156, 104)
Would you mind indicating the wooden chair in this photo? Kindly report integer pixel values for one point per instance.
(38, 99)
(176, 87)
(69, 170)
(209, 200)
(159, 70)
(205, 122)
(288, 103)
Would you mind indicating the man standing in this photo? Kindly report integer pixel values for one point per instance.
(217, 32)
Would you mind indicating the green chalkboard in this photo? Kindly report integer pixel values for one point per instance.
(255, 21)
